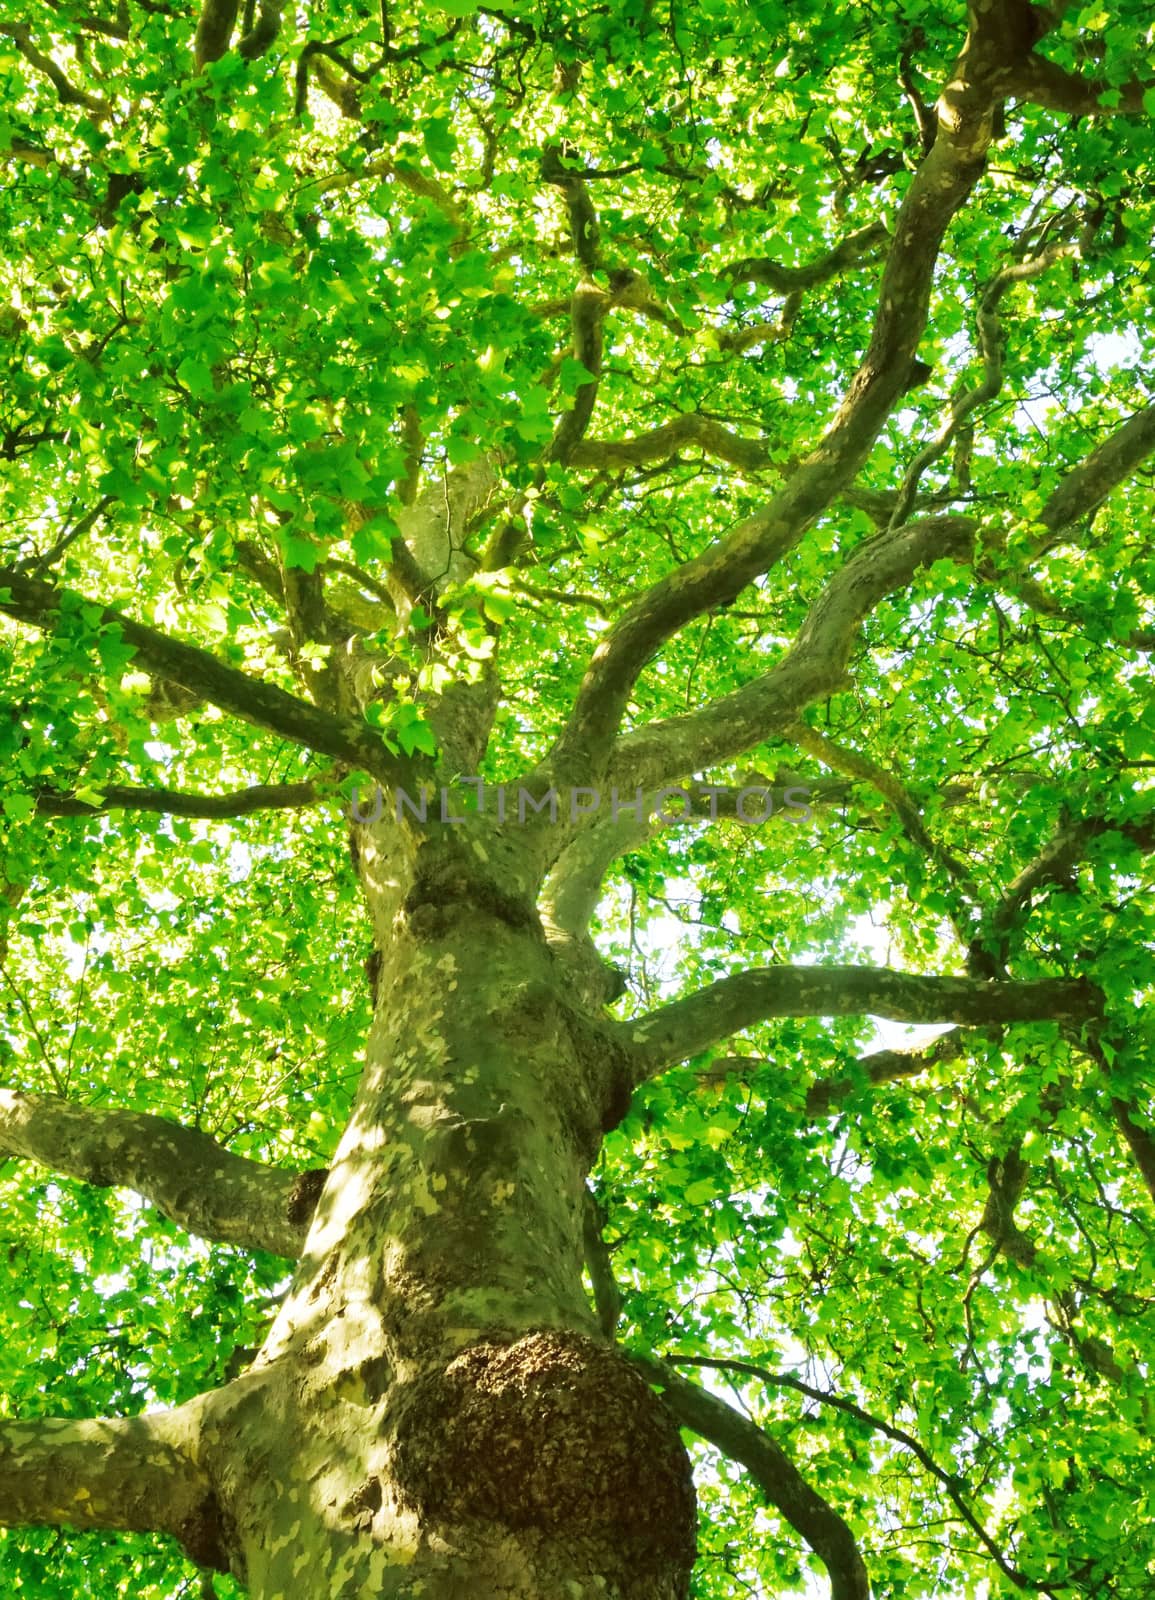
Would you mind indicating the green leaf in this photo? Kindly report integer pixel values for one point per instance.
(300, 554)
(573, 375)
(196, 375)
(440, 143)
(699, 1192)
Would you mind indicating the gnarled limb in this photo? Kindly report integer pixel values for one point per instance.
(900, 1436)
(196, 1182)
(966, 115)
(812, 668)
(584, 231)
(589, 305)
(261, 704)
(174, 803)
(991, 342)
(855, 248)
(683, 1028)
(814, 1518)
(735, 341)
(214, 32)
(1044, 84)
(134, 1474)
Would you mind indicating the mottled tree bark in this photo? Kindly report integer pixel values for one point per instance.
(435, 1411)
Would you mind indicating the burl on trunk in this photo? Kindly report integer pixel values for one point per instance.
(435, 1412)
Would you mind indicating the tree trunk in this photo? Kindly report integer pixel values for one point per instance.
(434, 1411)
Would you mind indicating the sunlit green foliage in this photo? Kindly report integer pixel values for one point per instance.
(230, 303)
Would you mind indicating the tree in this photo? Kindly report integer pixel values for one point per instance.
(557, 565)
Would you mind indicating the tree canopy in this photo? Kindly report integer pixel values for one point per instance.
(737, 423)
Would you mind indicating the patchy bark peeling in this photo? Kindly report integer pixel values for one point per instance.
(437, 1412)
(456, 1423)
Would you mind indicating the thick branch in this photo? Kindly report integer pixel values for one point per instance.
(896, 795)
(70, 535)
(218, 18)
(590, 303)
(686, 1027)
(67, 92)
(1140, 1141)
(415, 583)
(349, 610)
(261, 704)
(813, 667)
(856, 247)
(1006, 1179)
(607, 1295)
(583, 221)
(263, 571)
(134, 1474)
(1139, 1136)
(772, 1470)
(1033, 595)
(572, 891)
(573, 887)
(944, 180)
(720, 443)
(899, 1436)
(586, 319)
(263, 35)
(1045, 84)
(748, 455)
(174, 803)
(880, 1066)
(1054, 864)
(196, 1182)
(886, 1066)
(736, 341)
(1088, 485)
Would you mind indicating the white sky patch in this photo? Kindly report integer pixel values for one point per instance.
(1110, 350)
